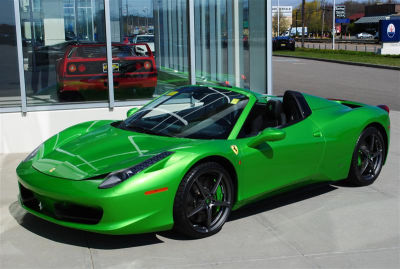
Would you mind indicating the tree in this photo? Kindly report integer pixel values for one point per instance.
(303, 4)
(283, 23)
(314, 12)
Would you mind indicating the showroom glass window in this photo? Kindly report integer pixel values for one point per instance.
(155, 34)
(10, 94)
(51, 30)
(215, 37)
(64, 49)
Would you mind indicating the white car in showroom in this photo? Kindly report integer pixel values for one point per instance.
(148, 39)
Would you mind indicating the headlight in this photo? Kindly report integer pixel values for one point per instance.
(116, 178)
(32, 154)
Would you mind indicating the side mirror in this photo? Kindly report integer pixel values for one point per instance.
(269, 134)
(132, 111)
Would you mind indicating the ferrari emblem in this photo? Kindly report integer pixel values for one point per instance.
(52, 170)
(235, 149)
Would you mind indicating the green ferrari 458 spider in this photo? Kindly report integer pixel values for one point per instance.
(194, 154)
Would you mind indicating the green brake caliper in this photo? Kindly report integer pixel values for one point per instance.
(359, 161)
(218, 196)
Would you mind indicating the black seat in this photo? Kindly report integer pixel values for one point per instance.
(275, 114)
(295, 106)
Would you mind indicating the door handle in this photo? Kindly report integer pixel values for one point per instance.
(317, 134)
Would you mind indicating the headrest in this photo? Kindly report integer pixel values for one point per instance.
(274, 108)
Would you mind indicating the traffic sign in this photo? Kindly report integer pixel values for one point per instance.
(389, 31)
(340, 11)
(342, 20)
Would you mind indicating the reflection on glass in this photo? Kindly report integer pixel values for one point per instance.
(50, 30)
(215, 46)
(152, 27)
(9, 91)
(82, 72)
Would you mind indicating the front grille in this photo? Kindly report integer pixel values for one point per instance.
(61, 210)
(77, 213)
(28, 198)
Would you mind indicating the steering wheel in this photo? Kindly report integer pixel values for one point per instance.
(226, 122)
(185, 122)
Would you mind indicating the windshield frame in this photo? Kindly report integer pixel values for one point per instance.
(250, 99)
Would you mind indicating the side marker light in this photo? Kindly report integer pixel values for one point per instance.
(156, 191)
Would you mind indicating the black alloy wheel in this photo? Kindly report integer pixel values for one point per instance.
(203, 201)
(368, 158)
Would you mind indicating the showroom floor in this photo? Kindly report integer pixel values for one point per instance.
(330, 226)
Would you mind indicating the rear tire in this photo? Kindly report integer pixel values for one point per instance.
(203, 201)
(368, 158)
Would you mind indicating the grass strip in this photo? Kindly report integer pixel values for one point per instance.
(343, 55)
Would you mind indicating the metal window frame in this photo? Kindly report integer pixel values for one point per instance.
(17, 17)
(110, 71)
(269, 67)
(236, 42)
(191, 42)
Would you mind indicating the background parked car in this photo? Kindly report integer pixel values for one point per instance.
(283, 42)
(364, 35)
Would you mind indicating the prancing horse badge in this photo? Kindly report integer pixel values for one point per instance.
(235, 149)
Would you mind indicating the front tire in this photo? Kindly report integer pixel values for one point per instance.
(368, 158)
(203, 201)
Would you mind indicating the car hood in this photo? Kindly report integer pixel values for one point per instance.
(101, 151)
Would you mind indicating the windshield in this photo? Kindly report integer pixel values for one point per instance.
(148, 38)
(190, 112)
(86, 51)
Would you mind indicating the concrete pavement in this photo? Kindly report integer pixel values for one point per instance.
(330, 226)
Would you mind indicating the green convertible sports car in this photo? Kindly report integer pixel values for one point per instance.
(192, 155)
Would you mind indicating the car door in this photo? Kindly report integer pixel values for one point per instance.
(277, 164)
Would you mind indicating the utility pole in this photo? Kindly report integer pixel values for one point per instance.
(296, 23)
(333, 24)
(323, 17)
(302, 22)
(127, 20)
(278, 19)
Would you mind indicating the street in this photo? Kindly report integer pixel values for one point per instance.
(364, 84)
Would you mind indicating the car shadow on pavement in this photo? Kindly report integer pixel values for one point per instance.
(75, 237)
(80, 238)
(281, 200)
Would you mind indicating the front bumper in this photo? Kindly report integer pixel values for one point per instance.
(124, 209)
(101, 83)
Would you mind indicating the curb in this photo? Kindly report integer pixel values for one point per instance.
(343, 62)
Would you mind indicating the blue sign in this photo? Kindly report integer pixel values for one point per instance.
(342, 20)
(389, 31)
